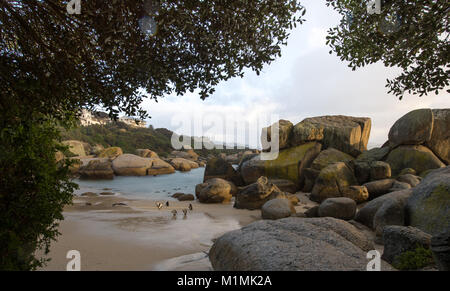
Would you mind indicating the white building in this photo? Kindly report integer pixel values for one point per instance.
(91, 118)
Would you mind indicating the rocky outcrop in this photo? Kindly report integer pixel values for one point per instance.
(414, 128)
(341, 208)
(188, 154)
(379, 187)
(289, 164)
(440, 138)
(146, 153)
(379, 170)
(131, 165)
(215, 190)
(292, 244)
(183, 197)
(366, 214)
(277, 209)
(417, 157)
(284, 129)
(347, 134)
(76, 147)
(97, 169)
(255, 195)
(400, 239)
(111, 153)
(328, 157)
(219, 168)
(183, 165)
(331, 181)
(428, 208)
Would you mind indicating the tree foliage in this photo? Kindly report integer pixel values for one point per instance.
(408, 34)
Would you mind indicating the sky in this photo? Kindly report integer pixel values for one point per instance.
(305, 81)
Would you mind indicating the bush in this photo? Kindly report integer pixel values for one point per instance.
(413, 260)
(33, 191)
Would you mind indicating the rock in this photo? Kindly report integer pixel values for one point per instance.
(107, 193)
(328, 157)
(288, 165)
(131, 165)
(76, 147)
(284, 129)
(97, 149)
(440, 246)
(146, 153)
(188, 155)
(408, 171)
(397, 186)
(347, 134)
(367, 213)
(379, 187)
(219, 168)
(340, 208)
(216, 190)
(375, 154)
(412, 180)
(293, 198)
(312, 212)
(246, 158)
(419, 158)
(233, 159)
(97, 169)
(183, 197)
(391, 212)
(357, 193)
(400, 239)
(440, 137)
(183, 165)
(331, 181)
(75, 165)
(160, 167)
(428, 208)
(414, 128)
(255, 195)
(59, 156)
(277, 209)
(292, 244)
(89, 194)
(362, 171)
(380, 170)
(111, 153)
(284, 185)
(310, 179)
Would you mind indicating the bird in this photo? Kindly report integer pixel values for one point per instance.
(185, 211)
(190, 207)
(159, 205)
(174, 213)
(167, 204)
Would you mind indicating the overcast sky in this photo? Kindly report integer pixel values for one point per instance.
(306, 81)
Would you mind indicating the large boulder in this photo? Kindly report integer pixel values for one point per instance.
(428, 208)
(131, 165)
(200, 187)
(414, 128)
(289, 164)
(412, 180)
(146, 153)
(183, 165)
(340, 208)
(400, 239)
(375, 154)
(328, 157)
(363, 164)
(418, 157)
(160, 167)
(215, 191)
(255, 195)
(292, 244)
(188, 154)
(347, 134)
(97, 169)
(277, 209)
(379, 170)
(366, 214)
(331, 181)
(440, 138)
(76, 147)
(379, 187)
(357, 193)
(284, 128)
(284, 185)
(220, 168)
(111, 153)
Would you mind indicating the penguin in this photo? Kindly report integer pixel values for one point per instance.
(159, 205)
(174, 213)
(190, 207)
(185, 212)
(167, 204)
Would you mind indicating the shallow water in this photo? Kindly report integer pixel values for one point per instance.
(146, 187)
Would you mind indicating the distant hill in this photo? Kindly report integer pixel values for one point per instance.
(130, 138)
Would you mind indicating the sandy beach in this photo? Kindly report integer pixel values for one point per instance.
(139, 236)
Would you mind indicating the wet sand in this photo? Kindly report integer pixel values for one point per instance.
(139, 236)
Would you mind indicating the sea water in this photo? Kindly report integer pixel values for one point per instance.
(145, 187)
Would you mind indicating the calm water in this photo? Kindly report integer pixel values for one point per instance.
(146, 187)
